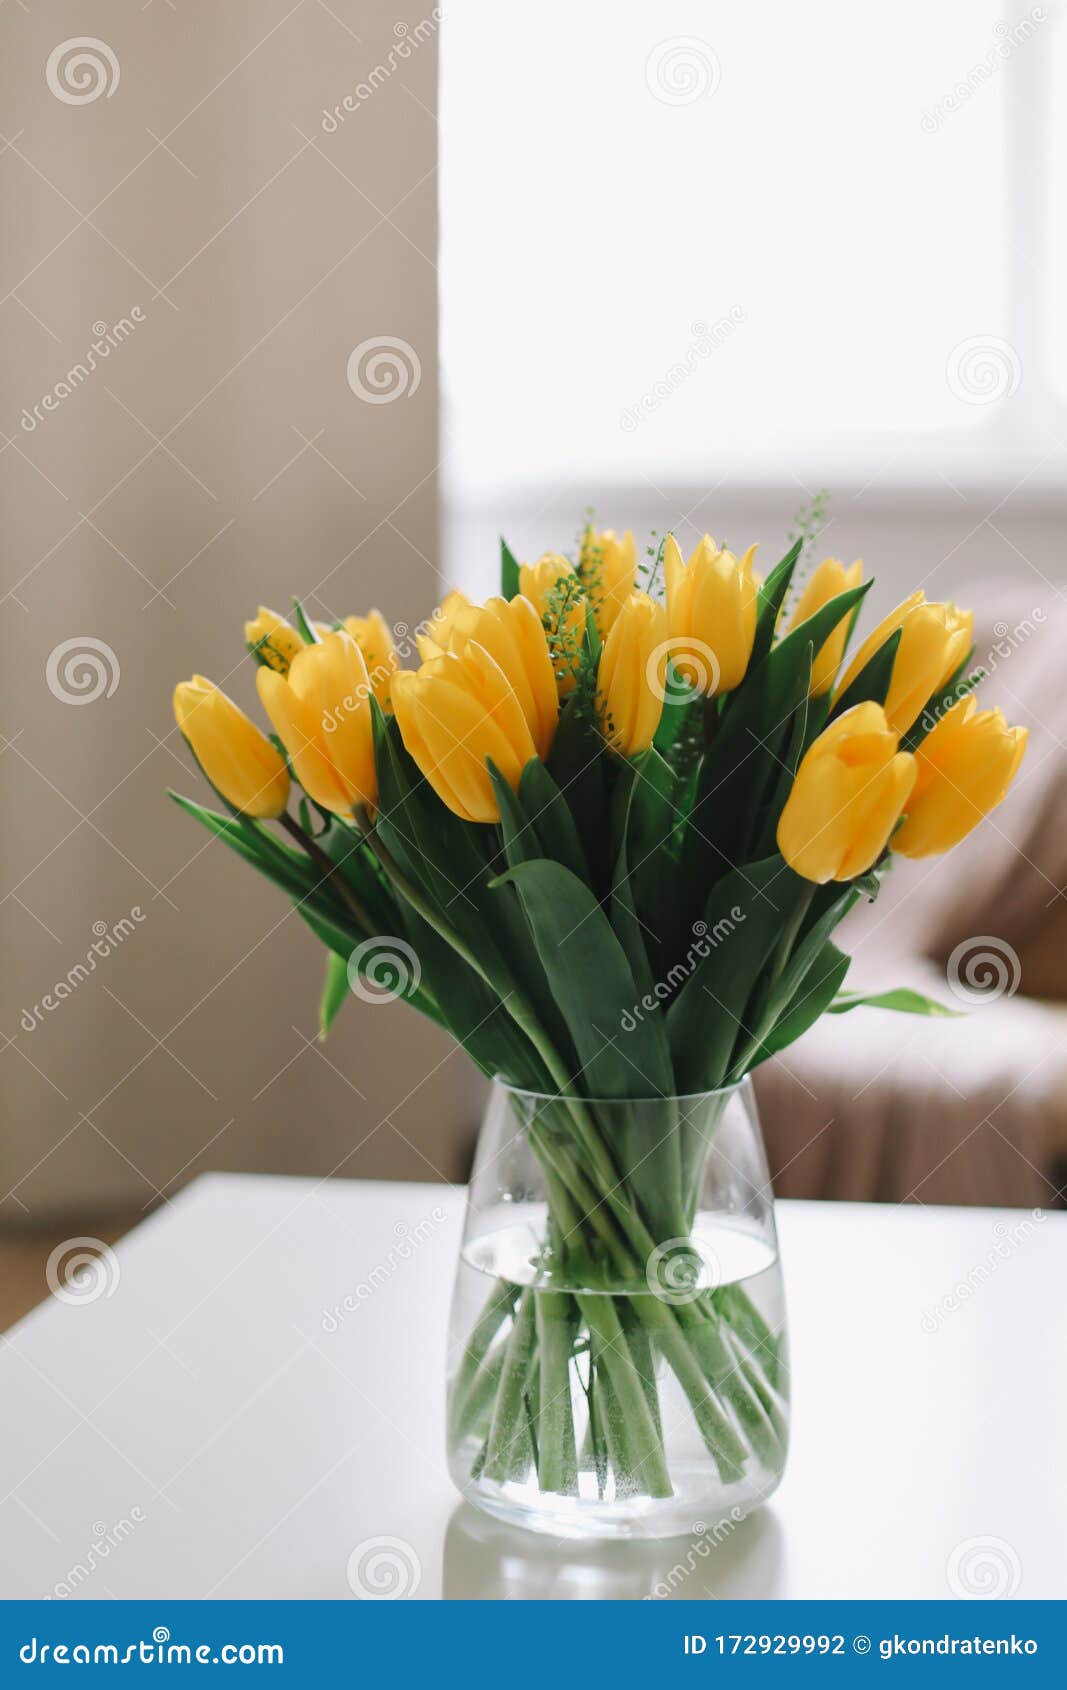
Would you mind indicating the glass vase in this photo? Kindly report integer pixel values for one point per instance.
(617, 1348)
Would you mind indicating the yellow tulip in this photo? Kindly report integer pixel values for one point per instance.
(432, 641)
(541, 583)
(374, 639)
(830, 579)
(272, 639)
(965, 766)
(608, 569)
(454, 713)
(934, 640)
(711, 613)
(514, 638)
(238, 760)
(632, 674)
(321, 711)
(849, 791)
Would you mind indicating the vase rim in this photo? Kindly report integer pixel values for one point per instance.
(579, 1097)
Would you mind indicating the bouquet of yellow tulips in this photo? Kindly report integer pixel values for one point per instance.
(578, 776)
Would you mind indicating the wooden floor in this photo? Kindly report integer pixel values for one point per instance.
(24, 1253)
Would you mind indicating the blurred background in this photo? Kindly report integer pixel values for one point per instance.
(319, 299)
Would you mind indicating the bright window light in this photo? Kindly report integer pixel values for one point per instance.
(700, 240)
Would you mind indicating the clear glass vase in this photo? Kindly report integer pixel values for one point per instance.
(618, 1362)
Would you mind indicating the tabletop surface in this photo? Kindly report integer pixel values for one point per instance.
(253, 1390)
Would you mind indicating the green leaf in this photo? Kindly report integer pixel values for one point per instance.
(903, 1000)
(297, 881)
(509, 571)
(872, 682)
(334, 991)
(593, 985)
(521, 843)
(304, 628)
(681, 712)
(771, 597)
(743, 763)
(546, 808)
(792, 751)
(786, 994)
(472, 1011)
(592, 636)
(814, 996)
(652, 844)
(624, 917)
(452, 861)
(356, 864)
(578, 763)
(336, 938)
(814, 632)
(746, 914)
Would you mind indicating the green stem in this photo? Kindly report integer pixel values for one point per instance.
(500, 1305)
(634, 1435)
(330, 871)
(557, 1467)
(509, 1441)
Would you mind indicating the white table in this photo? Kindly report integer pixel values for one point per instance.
(209, 1429)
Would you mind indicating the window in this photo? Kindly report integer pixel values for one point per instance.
(700, 242)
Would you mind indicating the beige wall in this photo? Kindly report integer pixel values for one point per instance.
(217, 457)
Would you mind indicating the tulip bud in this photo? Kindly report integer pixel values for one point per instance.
(511, 633)
(631, 680)
(849, 791)
(321, 711)
(711, 613)
(238, 760)
(830, 579)
(374, 639)
(555, 592)
(454, 714)
(433, 641)
(608, 569)
(965, 766)
(272, 640)
(934, 641)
